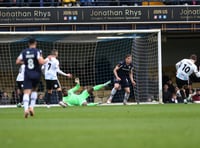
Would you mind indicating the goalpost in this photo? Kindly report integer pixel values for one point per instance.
(91, 56)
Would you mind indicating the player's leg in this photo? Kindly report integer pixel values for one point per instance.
(126, 85)
(27, 91)
(49, 92)
(26, 99)
(180, 83)
(56, 85)
(82, 98)
(116, 87)
(20, 93)
(126, 95)
(59, 91)
(33, 96)
(92, 104)
(100, 86)
(85, 94)
(85, 103)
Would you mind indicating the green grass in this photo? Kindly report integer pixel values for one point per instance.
(140, 126)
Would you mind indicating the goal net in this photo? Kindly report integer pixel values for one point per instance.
(91, 56)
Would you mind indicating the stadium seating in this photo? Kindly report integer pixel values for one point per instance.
(42, 3)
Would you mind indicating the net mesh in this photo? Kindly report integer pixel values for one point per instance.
(91, 57)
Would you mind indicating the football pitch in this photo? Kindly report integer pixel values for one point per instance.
(135, 126)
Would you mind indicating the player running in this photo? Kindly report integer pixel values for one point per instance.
(32, 59)
(20, 80)
(72, 99)
(123, 73)
(51, 68)
(185, 68)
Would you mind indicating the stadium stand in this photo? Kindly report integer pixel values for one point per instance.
(46, 3)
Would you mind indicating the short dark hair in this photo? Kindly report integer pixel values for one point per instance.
(53, 52)
(32, 40)
(128, 55)
(193, 57)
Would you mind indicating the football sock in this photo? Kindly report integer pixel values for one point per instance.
(21, 98)
(26, 101)
(92, 104)
(126, 96)
(60, 96)
(33, 99)
(182, 94)
(108, 82)
(113, 92)
(98, 87)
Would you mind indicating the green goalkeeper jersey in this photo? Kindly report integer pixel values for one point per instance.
(74, 99)
(77, 100)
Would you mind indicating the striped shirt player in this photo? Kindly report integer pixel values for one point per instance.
(185, 68)
(32, 59)
(123, 73)
(51, 68)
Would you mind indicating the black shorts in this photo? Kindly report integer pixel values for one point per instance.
(125, 82)
(181, 83)
(52, 84)
(20, 84)
(30, 83)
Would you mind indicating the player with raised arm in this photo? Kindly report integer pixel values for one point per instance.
(32, 59)
(51, 68)
(72, 99)
(20, 81)
(123, 73)
(185, 68)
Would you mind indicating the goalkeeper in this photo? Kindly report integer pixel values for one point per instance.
(72, 99)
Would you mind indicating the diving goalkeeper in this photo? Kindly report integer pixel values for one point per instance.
(72, 99)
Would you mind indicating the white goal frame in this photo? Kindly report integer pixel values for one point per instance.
(157, 31)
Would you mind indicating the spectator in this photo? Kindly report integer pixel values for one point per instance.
(69, 3)
(5, 98)
(40, 99)
(196, 97)
(165, 78)
(191, 94)
(16, 94)
(171, 86)
(166, 94)
(174, 98)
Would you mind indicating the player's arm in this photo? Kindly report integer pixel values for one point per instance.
(197, 73)
(43, 69)
(19, 60)
(178, 65)
(74, 89)
(117, 67)
(131, 78)
(63, 73)
(41, 60)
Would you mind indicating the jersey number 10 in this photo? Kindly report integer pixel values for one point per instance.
(186, 68)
